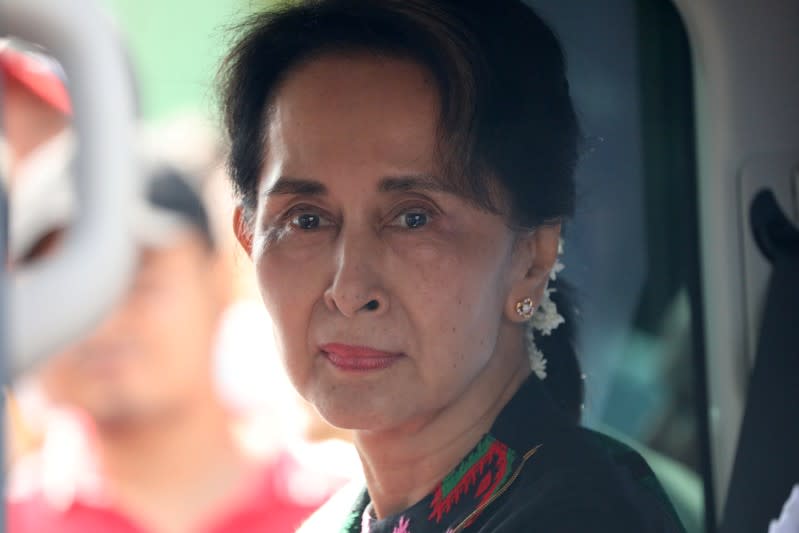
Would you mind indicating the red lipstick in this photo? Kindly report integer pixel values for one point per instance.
(357, 358)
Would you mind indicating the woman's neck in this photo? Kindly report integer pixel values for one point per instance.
(402, 466)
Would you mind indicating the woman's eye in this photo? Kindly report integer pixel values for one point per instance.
(308, 221)
(412, 219)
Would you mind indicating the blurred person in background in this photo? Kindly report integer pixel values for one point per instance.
(134, 433)
(151, 447)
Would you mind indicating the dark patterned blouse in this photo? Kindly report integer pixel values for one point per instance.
(535, 472)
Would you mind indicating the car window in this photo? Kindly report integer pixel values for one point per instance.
(631, 251)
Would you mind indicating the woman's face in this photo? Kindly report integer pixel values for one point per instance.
(390, 294)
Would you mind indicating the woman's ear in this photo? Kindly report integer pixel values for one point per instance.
(535, 256)
(242, 229)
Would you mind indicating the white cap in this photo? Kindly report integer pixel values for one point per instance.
(43, 200)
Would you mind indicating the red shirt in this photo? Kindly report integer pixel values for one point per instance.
(280, 503)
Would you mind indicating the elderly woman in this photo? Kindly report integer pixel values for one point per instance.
(403, 169)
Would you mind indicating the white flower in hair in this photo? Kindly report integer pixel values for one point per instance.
(556, 269)
(537, 360)
(545, 320)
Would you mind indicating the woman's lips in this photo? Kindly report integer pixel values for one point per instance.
(358, 358)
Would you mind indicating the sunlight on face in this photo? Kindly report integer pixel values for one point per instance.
(386, 289)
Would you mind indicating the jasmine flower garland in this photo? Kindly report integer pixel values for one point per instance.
(544, 321)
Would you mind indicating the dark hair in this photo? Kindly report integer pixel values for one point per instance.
(508, 131)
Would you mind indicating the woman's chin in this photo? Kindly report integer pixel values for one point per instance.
(356, 418)
(353, 423)
(358, 413)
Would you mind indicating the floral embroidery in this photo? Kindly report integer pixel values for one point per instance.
(352, 523)
(478, 476)
(461, 498)
(403, 526)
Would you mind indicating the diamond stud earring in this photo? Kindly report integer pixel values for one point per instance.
(525, 308)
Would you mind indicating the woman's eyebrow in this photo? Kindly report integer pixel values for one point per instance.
(288, 185)
(422, 182)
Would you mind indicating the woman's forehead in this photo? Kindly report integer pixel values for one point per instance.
(357, 90)
(346, 113)
(348, 69)
(364, 117)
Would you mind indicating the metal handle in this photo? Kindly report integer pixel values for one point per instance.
(60, 298)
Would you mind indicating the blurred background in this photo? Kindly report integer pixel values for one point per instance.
(175, 48)
(630, 252)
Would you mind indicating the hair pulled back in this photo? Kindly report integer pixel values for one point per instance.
(508, 133)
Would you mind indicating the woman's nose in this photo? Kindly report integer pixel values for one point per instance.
(358, 284)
